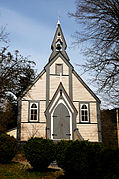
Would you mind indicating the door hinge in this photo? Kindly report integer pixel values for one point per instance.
(68, 134)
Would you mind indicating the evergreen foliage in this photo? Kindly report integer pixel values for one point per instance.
(87, 160)
(40, 153)
(8, 148)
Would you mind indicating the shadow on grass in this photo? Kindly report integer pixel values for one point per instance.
(63, 177)
(17, 170)
(9, 163)
(49, 172)
(46, 170)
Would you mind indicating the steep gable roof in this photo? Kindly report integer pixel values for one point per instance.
(62, 90)
(85, 85)
(30, 86)
(59, 54)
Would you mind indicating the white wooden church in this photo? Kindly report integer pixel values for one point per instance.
(59, 105)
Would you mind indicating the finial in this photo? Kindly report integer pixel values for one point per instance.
(58, 22)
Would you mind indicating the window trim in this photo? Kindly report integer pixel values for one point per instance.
(56, 68)
(29, 111)
(88, 110)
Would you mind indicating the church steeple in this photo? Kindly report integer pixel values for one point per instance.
(59, 43)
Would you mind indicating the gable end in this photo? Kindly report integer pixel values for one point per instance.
(29, 87)
(84, 84)
(59, 54)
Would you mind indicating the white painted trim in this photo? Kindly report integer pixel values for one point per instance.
(33, 108)
(81, 104)
(68, 103)
(54, 102)
(61, 101)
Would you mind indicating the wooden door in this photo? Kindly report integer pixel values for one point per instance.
(61, 123)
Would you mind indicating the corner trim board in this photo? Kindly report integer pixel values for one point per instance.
(70, 82)
(47, 85)
(19, 121)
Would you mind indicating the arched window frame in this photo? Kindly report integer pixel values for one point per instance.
(31, 114)
(81, 116)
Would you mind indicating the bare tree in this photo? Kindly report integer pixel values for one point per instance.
(16, 73)
(99, 22)
(32, 131)
(3, 34)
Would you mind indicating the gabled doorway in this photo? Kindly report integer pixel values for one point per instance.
(60, 116)
(61, 123)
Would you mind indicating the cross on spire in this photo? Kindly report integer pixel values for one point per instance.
(58, 19)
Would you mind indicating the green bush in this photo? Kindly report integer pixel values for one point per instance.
(8, 148)
(82, 159)
(40, 152)
(78, 158)
(108, 164)
(60, 152)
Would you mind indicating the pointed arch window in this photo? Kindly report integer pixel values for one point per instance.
(34, 112)
(84, 113)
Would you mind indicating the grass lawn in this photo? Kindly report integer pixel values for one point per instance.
(20, 168)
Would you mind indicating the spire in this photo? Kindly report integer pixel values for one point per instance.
(59, 43)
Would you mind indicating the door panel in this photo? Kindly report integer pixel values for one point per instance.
(61, 123)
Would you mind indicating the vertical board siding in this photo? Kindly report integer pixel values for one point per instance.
(80, 93)
(93, 113)
(42, 110)
(59, 61)
(54, 83)
(29, 130)
(65, 82)
(89, 131)
(24, 111)
(38, 90)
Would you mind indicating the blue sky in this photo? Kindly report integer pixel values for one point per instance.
(32, 24)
